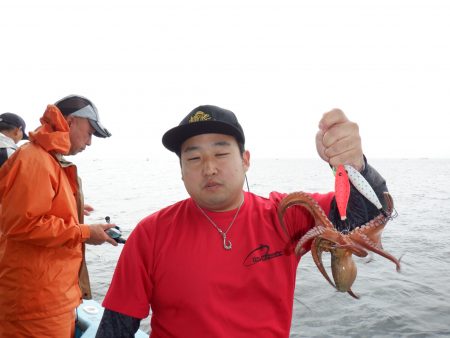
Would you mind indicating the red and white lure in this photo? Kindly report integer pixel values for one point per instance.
(342, 191)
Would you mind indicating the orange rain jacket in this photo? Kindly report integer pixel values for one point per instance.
(41, 238)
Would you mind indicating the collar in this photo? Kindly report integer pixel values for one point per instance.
(7, 142)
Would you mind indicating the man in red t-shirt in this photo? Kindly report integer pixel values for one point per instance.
(217, 264)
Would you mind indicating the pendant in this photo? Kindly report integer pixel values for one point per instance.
(226, 243)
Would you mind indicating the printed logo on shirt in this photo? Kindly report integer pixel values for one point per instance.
(261, 254)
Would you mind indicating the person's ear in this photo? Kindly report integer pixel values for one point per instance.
(16, 134)
(246, 160)
(69, 120)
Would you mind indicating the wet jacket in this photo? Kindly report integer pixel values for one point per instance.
(41, 235)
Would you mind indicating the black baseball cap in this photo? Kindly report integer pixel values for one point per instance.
(14, 121)
(203, 120)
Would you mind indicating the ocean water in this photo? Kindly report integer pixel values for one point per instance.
(412, 303)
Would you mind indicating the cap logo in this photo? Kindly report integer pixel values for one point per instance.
(199, 116)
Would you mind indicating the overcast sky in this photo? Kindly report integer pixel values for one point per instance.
(279, 65)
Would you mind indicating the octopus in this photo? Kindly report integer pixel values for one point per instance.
(324, 237)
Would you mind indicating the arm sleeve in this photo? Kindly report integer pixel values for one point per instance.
(131, 287)
(28, 192)
(117, 325)
(359, 209)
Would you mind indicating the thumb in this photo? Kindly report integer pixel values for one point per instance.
(320, 146)
(108, 226)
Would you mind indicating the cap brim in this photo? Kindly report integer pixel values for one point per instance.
(100, 131)
(174, 138)
(25, 136)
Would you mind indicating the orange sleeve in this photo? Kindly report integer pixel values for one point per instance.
(85, 232)
(30, 212)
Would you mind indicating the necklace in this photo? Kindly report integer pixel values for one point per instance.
(226, 242)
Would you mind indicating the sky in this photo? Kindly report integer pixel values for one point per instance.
(279, 65)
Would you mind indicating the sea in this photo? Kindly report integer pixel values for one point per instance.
(414, 302)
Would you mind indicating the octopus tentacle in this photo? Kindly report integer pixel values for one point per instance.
(319, 230)
(302, 246)
(306, 201)
(316, 252)
(369, 235)
(365, 242)
(356, 249)
(351, 293)
(339, 240)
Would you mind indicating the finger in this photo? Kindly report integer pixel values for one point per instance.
(352, 157)
(107, 226)
(341, 131)
(344, 145)
(334, 116)
(320, 146)
(88, 207)
(112, 241)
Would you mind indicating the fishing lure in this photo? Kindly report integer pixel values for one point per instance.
(361, 184)
(342, 191)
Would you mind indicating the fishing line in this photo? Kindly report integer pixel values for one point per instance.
(246, 181)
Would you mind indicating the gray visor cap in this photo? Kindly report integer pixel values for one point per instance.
(90, 112)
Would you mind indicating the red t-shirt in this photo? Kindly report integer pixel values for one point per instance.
(175, 262)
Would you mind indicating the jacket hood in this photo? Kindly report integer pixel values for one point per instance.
(53, 134)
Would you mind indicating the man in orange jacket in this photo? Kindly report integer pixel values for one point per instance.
(43, 275)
